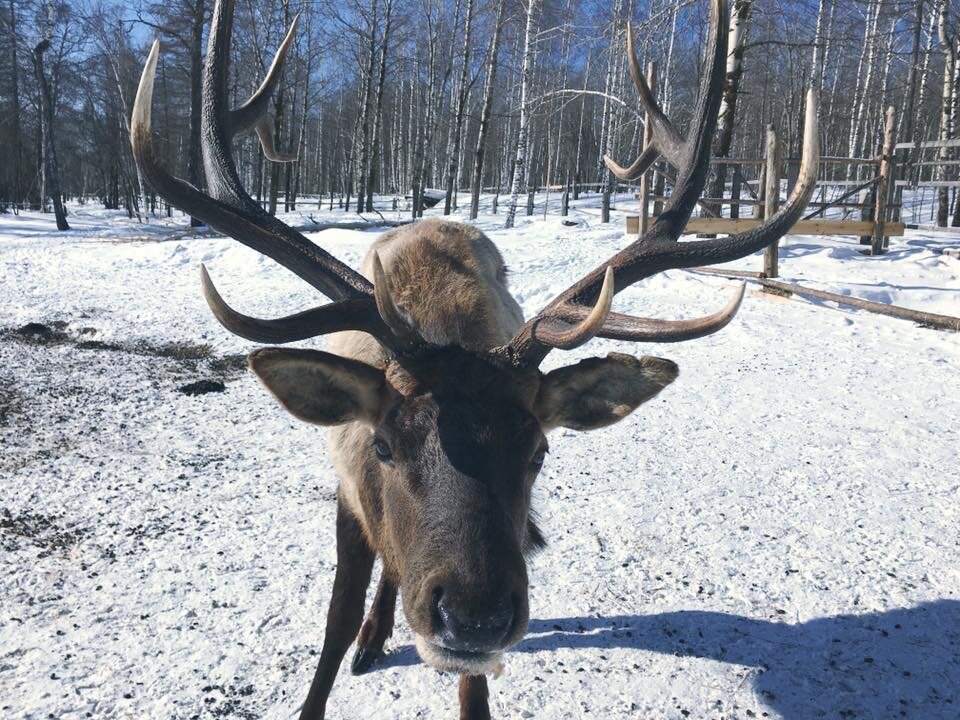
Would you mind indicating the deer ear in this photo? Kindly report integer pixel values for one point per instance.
(600, 391)
(321, 388)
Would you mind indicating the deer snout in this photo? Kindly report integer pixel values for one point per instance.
(471, 625)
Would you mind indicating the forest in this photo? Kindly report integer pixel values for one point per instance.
(398, 97)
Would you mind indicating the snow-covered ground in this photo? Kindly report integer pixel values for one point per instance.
(775, 535)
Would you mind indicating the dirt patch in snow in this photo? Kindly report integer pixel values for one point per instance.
(43, 531)
(56, 333)
(10, 401)
(228, 702)
(202, 387)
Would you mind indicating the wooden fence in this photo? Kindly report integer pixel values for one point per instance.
(930, 170)
(755, 193)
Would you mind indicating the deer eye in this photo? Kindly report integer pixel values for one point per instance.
(382, 450)
(536, 462)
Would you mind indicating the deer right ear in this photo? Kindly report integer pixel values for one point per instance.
(600, 391)
(321, 388)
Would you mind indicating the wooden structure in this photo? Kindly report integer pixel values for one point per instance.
(931, 166)
(756, 184)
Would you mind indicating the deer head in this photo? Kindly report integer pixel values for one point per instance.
(452, 439)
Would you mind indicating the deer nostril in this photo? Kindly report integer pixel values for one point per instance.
(477, 629)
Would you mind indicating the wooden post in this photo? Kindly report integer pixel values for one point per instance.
(883, 185)
(757, 213)
(647, 139)
(496, 201)
(659, 187)
(530, 201)
(868, 201)
(793, 174)
(735, 193)
(771, 255)
(605, 208)
(565, 202)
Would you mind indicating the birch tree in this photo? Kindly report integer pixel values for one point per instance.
(487, 104)
(948, 42)
(519, 166)
(51, 169)
(453, 145)
(739, 18)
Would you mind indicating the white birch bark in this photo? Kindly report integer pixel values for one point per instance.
(519, 167)
(488, 86)
(870, 46)
(948, 41)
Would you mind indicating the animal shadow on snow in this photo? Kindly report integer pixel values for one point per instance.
(899, 663)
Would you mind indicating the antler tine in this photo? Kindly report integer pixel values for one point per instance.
(265, 135)
(637, 329)
(637, 168)
(562, 336)
(692, 156)
(660, 250)
(247, 115)
(242, 219)
(721, 250)
(230, 210)
(665, 140)
(253, 113)
(333, 317)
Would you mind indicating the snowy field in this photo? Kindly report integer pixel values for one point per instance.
(776, 535)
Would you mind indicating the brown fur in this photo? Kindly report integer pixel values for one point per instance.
(437, 451)
(452, 281)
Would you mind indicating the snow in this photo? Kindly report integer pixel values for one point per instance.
(775, 535)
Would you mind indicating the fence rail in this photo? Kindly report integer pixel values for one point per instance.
(876, 199)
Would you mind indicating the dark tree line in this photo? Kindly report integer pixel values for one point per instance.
(395, 97)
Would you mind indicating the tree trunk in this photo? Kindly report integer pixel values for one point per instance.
(51, 170)
(519, 167)
(817, 61)
(194, 158)
(302, 165)
(453, 147)
(871, 40)
(274, 190)
(17, 154)
(378, 109)
(363, 118)
(578, 159)
(731, 89)
(907, 119)
(477, 181)
(114, 58)
(949, 44)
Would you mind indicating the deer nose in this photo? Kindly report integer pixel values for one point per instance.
(471, 626)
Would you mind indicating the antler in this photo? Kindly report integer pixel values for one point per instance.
(229, 209)
(659, 249)
(666, 140)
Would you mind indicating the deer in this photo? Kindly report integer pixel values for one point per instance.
(431, 385)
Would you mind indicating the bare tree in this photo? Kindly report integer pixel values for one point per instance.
(736, 44)
(948, 42)
(488, 87)
(51, 169)
(519, 166)
(378, 106)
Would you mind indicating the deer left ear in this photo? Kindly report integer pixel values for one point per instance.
(600, 391)
(321, 388)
